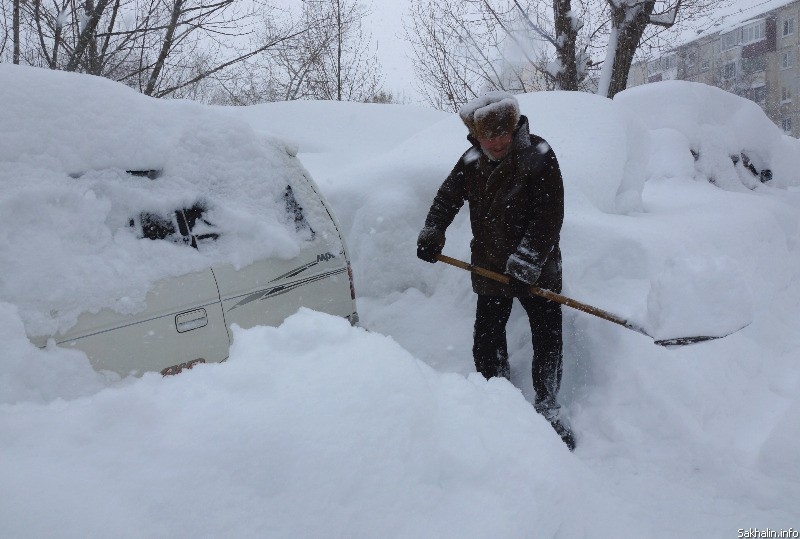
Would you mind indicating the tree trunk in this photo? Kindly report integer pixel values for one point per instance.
(166, 47)
(339, 32)
(15, 31)
(566, 37)
(629, 34)
(92, 61)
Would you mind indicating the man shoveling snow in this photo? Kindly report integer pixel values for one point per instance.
(513, 184)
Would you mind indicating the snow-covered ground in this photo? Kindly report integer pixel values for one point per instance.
(318, 429)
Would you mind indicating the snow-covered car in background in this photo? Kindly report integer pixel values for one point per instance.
(140, 231)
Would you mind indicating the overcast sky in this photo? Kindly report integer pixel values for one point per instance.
(386, 25)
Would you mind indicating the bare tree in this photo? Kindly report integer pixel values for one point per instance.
(160, 47)
(445, 80)
(450, 46)
(463, 48)
(333, 60)
(9, 29)
(460, 47)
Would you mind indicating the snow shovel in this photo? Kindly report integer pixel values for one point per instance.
(558, 298)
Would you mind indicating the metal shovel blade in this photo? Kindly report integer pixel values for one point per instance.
(680, 341)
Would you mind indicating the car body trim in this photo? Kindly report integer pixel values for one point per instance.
(164, 315)
(284, 288)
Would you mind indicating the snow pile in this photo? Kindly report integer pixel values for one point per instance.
(778, 453)
(597, 145)
(399, 450)
(28, 374)
(675, 427)
(319, 429)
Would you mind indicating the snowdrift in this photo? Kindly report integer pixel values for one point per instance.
(400, 450)
(320, 429)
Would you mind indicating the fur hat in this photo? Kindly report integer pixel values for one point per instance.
(491, 115)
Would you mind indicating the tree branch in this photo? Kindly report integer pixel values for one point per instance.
(222, 66)
(86, 35)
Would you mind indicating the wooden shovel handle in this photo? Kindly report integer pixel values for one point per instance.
(547, 294)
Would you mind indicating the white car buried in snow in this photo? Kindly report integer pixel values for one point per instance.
(139, 230)
(187, 319)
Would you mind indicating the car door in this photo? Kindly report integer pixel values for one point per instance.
(182, 325)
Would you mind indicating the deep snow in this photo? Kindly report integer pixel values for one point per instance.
(318, 429)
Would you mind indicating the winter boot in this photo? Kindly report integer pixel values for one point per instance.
(563, 431)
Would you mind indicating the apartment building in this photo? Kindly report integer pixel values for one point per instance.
(756, 56)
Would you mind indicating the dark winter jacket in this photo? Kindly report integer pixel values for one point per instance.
(516, 208)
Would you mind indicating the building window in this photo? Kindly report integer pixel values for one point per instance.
(760, 94)
(729, 70)
(730, 40)
(786, 94)
(788, 26)
(705, 65)
(754, 32)
(787, 60)
(669, 62)
(786, 124)
(756, 63)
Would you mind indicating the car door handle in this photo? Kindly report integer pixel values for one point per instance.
(191, 320)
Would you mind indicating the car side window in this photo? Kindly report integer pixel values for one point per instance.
(189, 226)
(186, 226)
(154, 226)
(295, 212)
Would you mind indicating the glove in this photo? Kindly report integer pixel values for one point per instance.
(522, 270)
(429, 244)
(518, 288)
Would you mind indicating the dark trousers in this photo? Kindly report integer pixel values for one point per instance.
(490, 349)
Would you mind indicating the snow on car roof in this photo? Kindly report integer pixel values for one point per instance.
(66, 144)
